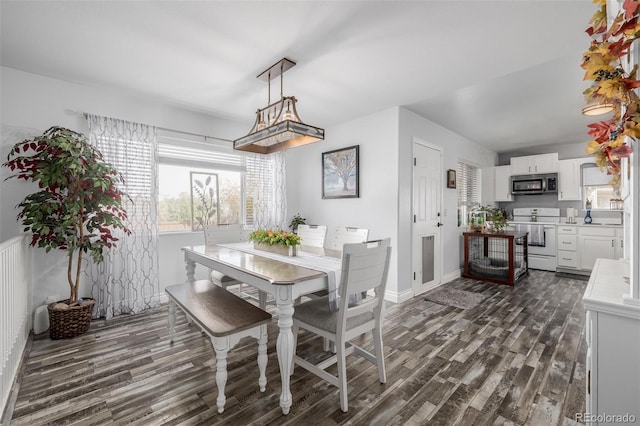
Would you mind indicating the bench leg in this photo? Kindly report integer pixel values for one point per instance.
(262, 357)
(221, 346)
(172, 320)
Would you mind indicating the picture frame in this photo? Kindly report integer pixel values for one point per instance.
(451, 178)
(341, 173)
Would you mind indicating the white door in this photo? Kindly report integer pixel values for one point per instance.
(427, 218)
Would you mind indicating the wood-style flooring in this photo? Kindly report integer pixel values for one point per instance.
(516, 358)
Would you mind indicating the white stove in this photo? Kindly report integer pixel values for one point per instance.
(541, 225)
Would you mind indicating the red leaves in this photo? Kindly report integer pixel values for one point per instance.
(591, 32)
(601, 131)
(622, 151)
(621, 47)
(630, 83)
(630, 7)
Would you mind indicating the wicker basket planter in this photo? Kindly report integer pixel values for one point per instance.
(277, 248)
(72, 322)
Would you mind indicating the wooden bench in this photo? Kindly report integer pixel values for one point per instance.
(226, 318)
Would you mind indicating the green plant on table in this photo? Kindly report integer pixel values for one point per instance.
(274, 237)
(295, 221)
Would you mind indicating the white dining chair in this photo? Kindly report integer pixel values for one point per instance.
(312, 235)
(230, 233)
(365, 266)
(347, 235)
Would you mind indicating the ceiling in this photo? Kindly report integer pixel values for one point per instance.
(502, 73)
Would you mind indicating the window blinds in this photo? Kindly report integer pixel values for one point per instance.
(197, 151)
(468, 183)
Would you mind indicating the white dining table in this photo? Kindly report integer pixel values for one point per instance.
(275, 275)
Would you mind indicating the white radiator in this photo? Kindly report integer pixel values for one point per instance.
(15, 309)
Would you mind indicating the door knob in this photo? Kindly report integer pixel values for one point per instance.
(440, 224)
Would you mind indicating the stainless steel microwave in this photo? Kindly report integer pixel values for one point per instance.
(534, 184)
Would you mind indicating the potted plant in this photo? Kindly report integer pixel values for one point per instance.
(493, 218)
(295, 221)
(275, 241)
(75, 210)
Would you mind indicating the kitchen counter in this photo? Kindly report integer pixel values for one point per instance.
(593, 225)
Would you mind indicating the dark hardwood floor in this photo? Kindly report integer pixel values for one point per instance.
(516, 358)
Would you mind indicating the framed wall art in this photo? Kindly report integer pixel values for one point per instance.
(451, 178)
(340, 173)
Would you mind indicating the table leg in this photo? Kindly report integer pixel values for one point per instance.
(172, 320)
(190, 266)
(284, 346)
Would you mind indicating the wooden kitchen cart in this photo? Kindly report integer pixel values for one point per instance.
(498, 257)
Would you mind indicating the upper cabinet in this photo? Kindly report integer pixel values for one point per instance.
(534, 164)
(502, 175)
(488, 186)
(569, 186)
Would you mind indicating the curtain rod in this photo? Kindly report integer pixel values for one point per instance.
(86, 114)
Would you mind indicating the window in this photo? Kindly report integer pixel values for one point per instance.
(468, 183)
(596, 187)
(191, 197)
(200, 183)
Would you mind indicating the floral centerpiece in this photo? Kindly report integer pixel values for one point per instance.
(613, 86)
(275, 240)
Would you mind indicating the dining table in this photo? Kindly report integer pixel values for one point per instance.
(286, 278)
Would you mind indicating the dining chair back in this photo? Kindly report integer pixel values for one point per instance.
(312, 235)
(365, 266)
(216, 234)
(230, 233)
(347, 235)
(220, 234)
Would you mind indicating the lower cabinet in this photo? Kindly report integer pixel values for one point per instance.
(593, 247)
(612, 332)
(567, 244)
(580, 246)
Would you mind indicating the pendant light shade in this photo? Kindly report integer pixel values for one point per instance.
(278, 126)
(596, 108)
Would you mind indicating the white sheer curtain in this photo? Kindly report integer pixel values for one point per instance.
(266, 187)
(128, 281)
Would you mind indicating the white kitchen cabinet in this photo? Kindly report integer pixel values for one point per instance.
(567, 254)
(578, 246)
(488, 186)
(596, 242)
(534, 164)
(569, 186)
(613, 348)
(502, 176)
(619, 252)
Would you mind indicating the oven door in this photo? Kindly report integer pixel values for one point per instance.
(549, 248)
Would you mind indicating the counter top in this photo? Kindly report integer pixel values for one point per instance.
(607, 287)
(592, 225)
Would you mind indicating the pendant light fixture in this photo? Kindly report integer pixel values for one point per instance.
(278, 125)
(597, 108)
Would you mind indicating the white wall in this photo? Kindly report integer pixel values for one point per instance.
(31, 104)
(455, 148)
(384, 206)
(377, 206)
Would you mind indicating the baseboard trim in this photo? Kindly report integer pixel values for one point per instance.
(451, 276)
(394, 297)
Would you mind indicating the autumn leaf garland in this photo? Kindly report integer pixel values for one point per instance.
(612, 84)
